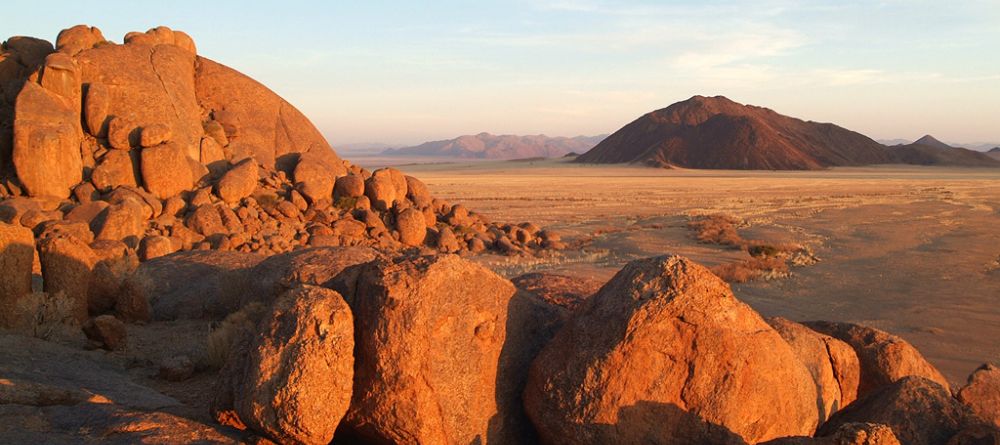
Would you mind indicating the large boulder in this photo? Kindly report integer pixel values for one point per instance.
(884, 357)
(165, 170)
(533, 318)
(146, 86)
(265, 125)
(17, 252)
(239, 182)
(919, 411)
(833, 364)
(665, 353)
(349, 186)
(123, 221)
(292, 380)
(429, 333)
(982, 393)
(334, 268)
(412, 227)
(46, 149)
(315, 177)
(846, 434)
(116, 168)
(67, 267)
(187, 285)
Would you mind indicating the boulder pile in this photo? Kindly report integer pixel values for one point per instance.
(347, 344)
(149, 144)
(152, 190)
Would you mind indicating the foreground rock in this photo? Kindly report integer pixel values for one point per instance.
(982, 393)
(560, 290)
(884, 358)
(429, 334)
(210, 158)
(846, 434)
(292, 380)
(17, 251)
(720, 374)
(832, 363)
(919, 411)
(187, 285)
(334, 268)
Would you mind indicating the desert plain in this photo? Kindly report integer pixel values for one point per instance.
(910, 250)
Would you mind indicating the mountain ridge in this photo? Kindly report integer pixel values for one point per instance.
(717, 133)
(489, 146)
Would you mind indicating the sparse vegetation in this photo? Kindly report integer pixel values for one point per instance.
(346, 202)
(717, 229)
(223, 336)
(757, 268)
(47, 316)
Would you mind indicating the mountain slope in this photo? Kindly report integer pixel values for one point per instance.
(489, 146)
(717, 133)
(920, 154)
(931, 141)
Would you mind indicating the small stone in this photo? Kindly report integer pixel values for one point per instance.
(177, 368)
(106, 330)
(154, 135)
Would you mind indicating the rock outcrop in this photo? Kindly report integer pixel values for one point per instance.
(429, 333)
(982, 393)
(846, 434)
(919, 411)
(665, 353)
(832, 363)
(884, 357)
(291, 381)
(17, 252)
(235, 165)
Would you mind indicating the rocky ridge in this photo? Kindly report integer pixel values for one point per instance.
(149, 144)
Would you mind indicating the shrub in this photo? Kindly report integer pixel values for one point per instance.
(346, 203)
(224, 336)
(46, 316)
(763, 250)
(716, 229)
(752, 269)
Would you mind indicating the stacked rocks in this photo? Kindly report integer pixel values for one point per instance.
(149, 144)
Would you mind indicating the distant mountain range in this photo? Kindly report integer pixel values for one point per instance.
(930, 151)
(717, 133)
(489, 146)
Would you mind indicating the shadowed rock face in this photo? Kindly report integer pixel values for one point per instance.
(919, 411)
(884, 358)
(982, 393)
(665, 353)
(832, 363)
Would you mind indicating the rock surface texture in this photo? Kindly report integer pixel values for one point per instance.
(237, 166)
(665, 353)
(291, 381)
(429, 334)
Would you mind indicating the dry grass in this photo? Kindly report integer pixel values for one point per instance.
(716, 229)
(222, 338)
(46, 316)
(756, 268)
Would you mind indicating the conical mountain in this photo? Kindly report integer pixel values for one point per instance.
(717, 133)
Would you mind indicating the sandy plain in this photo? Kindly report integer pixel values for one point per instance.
(912, 250)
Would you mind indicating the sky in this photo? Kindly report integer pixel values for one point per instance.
(405, 72)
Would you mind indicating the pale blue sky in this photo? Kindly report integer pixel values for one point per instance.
(405, 72)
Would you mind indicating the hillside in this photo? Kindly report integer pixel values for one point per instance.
(920, 154)
(489, 146)
(717, 133)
